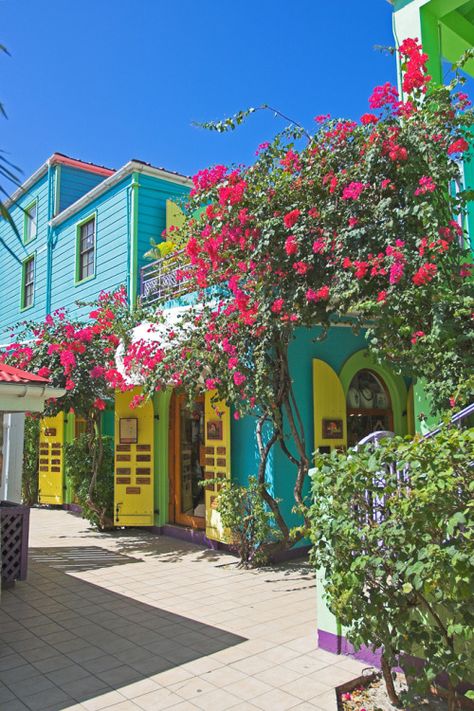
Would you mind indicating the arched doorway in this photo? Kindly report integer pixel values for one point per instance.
(369, 408)
(186, 463)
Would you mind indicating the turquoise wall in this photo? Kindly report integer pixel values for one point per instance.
(152, 196)
(74, 183)
(13, 251)
(112, 236)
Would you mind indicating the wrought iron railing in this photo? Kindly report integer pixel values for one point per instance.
(377, 505)
(165, 278)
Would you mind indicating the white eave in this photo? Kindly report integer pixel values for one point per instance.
(26, 397)
(24, 187)
(130, 167)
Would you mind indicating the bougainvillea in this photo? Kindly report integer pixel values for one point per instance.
(358, 218)
(79, 357)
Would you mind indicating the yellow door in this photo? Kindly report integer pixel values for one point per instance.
(330, 420)
(134, 462)
(216, 460)
(51, 460)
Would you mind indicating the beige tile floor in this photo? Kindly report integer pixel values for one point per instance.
(132, 621)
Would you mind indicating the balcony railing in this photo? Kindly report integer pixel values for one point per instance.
(161, 280)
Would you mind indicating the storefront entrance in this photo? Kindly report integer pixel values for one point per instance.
(368, 407)
(186, 500)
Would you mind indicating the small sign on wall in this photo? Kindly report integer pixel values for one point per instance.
(214, 429)
(333, 429)
(128, 430)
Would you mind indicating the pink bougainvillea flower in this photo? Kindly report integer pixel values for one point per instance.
(136, 401)
(353, 191)
(382, 296)
(211, 383)
(291, 218)
(291, 245)
(277, 305)
(458, 146)
(385, 95)
(367, 119)
(239, 378)
(99, 404)
(415, 336)
(300, 268)
(424, 274)
(70, 384)
(318, 246)
(321, 294)
(44, 372)
(426, 185)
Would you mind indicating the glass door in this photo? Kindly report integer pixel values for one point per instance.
(189, 506)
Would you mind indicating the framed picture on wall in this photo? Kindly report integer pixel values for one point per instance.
(333, 429)
(128, 430)
(214, 429)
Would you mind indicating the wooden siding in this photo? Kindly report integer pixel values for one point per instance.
(74, 183)
(13, 252)
(111, 257)
(152, 196)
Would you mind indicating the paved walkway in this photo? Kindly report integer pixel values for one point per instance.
(128, 621)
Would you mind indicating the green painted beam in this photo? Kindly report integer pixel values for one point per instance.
(440, 8)
(431, 41)
(457, 36)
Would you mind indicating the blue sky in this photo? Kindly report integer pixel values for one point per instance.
(110, 80)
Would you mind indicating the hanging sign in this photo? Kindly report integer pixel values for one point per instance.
(128, 430)
(332, 429)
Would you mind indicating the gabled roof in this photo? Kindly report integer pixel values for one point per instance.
(57, 159)
(8, 374)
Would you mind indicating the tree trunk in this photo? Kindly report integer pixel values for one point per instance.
(387, 675)
(98, 454)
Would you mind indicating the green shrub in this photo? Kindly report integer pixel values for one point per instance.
(398, 552)
(250, 524)
(30, 461)
(79, 463)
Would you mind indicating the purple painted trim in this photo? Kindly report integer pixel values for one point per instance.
(75, 508)
(191, 535)
(338, 644)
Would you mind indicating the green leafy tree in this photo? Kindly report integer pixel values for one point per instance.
(393, 530)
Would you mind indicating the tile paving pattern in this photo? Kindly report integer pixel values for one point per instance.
(132, 621)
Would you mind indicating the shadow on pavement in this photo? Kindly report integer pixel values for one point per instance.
(64, 640)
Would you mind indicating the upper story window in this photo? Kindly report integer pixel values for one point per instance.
(30, 224)
(28, 283)
(86, 250)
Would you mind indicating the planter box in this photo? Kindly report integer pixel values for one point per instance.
(14, 529)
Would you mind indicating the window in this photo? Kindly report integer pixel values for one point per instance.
(28, 283)
(30, 227)
(86, 250)
(368, 407)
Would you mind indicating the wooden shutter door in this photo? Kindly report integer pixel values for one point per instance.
(216, 460)
(134, 462)
(329, 406)
(51, 460)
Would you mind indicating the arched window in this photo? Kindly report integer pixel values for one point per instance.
(369, 408)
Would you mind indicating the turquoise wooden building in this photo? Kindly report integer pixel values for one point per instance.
(81, 228)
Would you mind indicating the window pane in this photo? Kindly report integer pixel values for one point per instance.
(28, 282)
(31, 223)
(86, 249)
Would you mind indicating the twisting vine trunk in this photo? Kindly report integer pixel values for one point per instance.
(97, 448)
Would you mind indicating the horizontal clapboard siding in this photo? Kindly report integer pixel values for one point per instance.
(152, 196)
(13, 252)
(111, 258)
(74, 183)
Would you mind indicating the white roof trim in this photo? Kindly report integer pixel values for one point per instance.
(130, 167)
